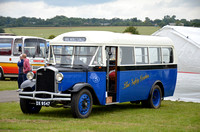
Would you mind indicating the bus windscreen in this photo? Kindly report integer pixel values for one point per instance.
(35, 47)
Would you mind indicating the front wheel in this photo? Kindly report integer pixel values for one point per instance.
(28, 107)
(81, 105)
(154, 100)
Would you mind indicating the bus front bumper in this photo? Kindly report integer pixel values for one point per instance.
(44, 96)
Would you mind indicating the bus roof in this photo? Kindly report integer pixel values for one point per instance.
(100, 38)
(24, 37)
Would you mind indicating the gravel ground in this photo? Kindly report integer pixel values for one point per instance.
(9, 96)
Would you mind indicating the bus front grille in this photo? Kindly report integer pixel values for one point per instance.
(45, 80)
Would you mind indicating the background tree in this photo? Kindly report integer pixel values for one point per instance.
(148, 22)
(2, 30)
(63, 21)
(51, 37)
(131, 30)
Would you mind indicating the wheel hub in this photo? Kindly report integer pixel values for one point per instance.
(156, 97)
(84, 104)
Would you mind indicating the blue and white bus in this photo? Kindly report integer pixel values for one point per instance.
(101, 68)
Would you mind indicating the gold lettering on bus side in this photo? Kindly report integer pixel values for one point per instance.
(126, 85)
(136, 81)
(143, 77)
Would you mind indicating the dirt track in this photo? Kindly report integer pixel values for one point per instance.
(9, 96)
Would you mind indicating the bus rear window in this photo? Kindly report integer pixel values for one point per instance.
(5, 46)
(167, 55)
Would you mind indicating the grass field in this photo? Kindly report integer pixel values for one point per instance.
(172, 116)
(45, 32)
(8, 85)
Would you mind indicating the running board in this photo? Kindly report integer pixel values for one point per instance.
(112, 103)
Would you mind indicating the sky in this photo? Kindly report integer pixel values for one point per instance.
(154, 9)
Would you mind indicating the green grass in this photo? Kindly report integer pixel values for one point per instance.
(45, 32)
(8, 85)
(172, 116)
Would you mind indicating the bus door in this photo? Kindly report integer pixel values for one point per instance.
(111, 62)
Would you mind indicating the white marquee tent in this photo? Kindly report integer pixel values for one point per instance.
(187, 43)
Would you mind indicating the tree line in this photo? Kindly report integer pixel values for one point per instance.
(63, 21)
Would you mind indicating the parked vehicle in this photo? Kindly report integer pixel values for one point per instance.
(101, 68)
(12, 46)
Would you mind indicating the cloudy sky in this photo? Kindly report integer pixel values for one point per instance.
(188, 9)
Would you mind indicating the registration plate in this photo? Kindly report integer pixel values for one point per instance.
(43, 103)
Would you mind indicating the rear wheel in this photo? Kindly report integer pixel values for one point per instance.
(29, 108)
(81, 105)
(154, 100)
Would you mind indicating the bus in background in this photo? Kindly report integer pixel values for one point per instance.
(12, 46)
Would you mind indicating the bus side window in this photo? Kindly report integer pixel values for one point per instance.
(127, 55)
(167, 55)
(141, 54)
(155, 55)
(17, 48)
(5, 46)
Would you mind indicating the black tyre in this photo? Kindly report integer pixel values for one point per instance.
(29, 108)
(81, 105)
(155, 97)
(1, 74)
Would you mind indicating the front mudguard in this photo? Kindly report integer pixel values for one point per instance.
(79, 86)
(28, 84)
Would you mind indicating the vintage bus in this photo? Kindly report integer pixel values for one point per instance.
(12, 46)
(101, 68)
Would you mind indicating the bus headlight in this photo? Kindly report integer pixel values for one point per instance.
(59, 77)
(30, 75)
